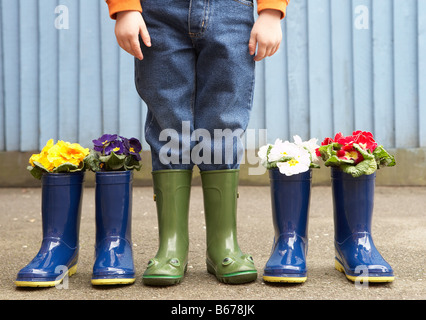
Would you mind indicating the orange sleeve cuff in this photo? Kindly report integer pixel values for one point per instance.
(280, 5)
(116, 6)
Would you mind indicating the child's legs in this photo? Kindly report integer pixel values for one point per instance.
(198, 74)
(165, 80)
(225, 82)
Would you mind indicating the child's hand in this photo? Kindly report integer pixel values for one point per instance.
(128, 27)
(266, 34)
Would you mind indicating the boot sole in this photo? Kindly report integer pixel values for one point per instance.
(285, 279)
(44, 284)
(161, 280)
(383, 279)
(155, 280)
(107, 282)
(233, 278)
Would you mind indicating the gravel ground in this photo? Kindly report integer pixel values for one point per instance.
(399, 231)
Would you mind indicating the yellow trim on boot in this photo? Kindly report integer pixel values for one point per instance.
(285, 279)
(340, 268)
(103, 282)
(45, 284)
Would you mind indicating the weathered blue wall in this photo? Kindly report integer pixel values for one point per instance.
(343, 65)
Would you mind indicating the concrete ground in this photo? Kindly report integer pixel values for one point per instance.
(399, 231)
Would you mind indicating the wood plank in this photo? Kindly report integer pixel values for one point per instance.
(110, 71)
(320, 69)
(2, 105)
(129, 110)
(342, 67)
(276, 93)
(406, 74)
(90, 99)
(298, 71)
(257, 116)
(383, 73)
(11, 78)
(48, 72)
(421, 18)
(29, 69)
(69, 75)
(363, 65)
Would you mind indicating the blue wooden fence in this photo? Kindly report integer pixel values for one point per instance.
(343, 65)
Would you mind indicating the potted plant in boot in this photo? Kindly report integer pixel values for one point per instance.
(354, 161)
(60, 167)
(290, 172)
(113, 160)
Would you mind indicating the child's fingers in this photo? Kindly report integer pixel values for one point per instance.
(261, 52)
(135, 48)
(131, 47)
(267, 49)
(145, 34)
(271, 50)
(252, 44)
(277, 47)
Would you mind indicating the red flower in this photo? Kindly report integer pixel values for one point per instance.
(341, 153)
(338, 136)
(347, 151)
(327, 141)
(365, 140)
(346, 142)
(317, 152)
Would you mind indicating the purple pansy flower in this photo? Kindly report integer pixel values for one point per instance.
(133, 147)
(115, 146)
(103, 142)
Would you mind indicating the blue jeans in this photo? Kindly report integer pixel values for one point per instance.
(197, 80)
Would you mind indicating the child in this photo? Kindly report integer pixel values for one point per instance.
(195, 71)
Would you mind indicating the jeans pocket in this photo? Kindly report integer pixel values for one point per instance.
(248, 3)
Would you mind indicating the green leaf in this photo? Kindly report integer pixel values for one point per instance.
(334, 161)
(365, 153)
(365, 167)
(132, 164)
(37, 171)
(273, 164)
(67, 167)
(113, 162)
(329, 150)
(383, 158)
(92, 161)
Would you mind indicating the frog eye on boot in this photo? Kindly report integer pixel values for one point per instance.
(174, 262)
(151, 262)
(250, 258)
(227, 261)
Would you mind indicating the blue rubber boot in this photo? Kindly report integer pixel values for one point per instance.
(61, 211)
(356, 254)
(290, 197)
(113, 250)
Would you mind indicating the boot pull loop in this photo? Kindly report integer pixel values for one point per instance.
(154, 197)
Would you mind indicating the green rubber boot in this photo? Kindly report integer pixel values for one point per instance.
(171, 193)
(224, 257)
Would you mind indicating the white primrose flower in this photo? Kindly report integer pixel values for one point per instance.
(299, 163)
(282, 150)
(310, 145)
(263, 154)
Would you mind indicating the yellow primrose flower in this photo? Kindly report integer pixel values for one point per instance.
(55, 155)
